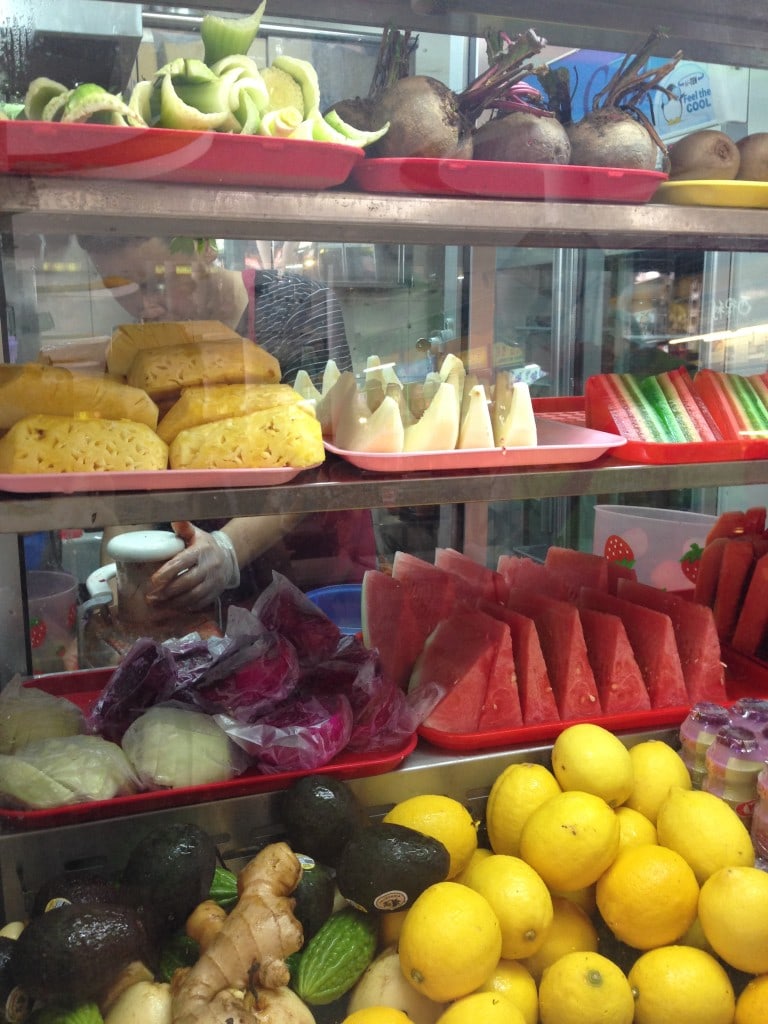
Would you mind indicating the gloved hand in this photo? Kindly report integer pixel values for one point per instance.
(194, 578)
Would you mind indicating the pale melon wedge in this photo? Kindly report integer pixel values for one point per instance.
(476, 427)
(303, 384)
(438, 428)
(334, 400)
(360, 430)
(432, 382)
(331, 375)
(514, 425)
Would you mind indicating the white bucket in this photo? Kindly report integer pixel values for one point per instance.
(654, 540)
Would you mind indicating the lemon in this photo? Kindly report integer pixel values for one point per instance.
(648, 896)
(585, 988)
(480, 854)
(571, 839)
(694, 936)
(450, 941)
(592, 759)
(657, 769)
(704, 830)
(572, 931)
(634, 828)
(488, 1007)
(443, 818)
(520, 900)
(513, 979)
(752, 1004)
(733, 910)
(377, 1015)
(584, 897)
(518, 791)
(681, 985)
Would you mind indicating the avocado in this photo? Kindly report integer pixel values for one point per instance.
(7, 970)
(168, 872)
(73, 953)
(70, 887)
(386, 866)
(314, 895)
(319, 813)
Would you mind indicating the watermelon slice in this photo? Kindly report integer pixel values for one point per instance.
(501, 705)
(460, 654)
(528, 574)
(577, 568)
(619, 680)
(710, 563)
(390, 626)
(618, 572)
(565, 652)
(732, 582)
(487, 583)
(653, 640)
(696, 636)
(751, 633)
(428, 577)
(536, 695)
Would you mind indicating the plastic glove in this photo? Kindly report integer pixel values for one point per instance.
(194, 578)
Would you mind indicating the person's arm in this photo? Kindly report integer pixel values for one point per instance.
(210, 562)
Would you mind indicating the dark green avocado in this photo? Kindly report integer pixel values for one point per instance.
(73, 953)
(169, 872)
(386, 866)
(319, 813)
(314, 896)
(70, 887)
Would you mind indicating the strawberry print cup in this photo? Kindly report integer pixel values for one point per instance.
(52, 620)
(662, 545)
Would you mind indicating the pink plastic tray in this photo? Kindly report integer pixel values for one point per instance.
(82, 688)
(745, 677)
(558, 443)
(167, 154)
(144, 480)
(434, 176)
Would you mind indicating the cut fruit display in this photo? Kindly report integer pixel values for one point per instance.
(449, 411)
(580, 642)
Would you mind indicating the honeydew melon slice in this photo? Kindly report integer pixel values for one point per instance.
(438, 428)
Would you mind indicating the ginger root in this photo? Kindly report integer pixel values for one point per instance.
(205, 922)
(250, 949)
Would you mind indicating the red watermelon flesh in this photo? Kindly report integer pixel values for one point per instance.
(459, 654)
(653, 640)
(536, 695)
(735, 573)
(619, 679)
(618, 572)
(578, 568)
(565, 652)
(711, 559)
(487, 583)
(501, 705)
(390, 626)
(751, 633)
(696, 636)
(528, 574)
(428, 577)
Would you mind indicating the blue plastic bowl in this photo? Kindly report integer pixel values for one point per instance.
(341, 604)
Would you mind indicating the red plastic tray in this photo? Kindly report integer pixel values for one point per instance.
(502, 180)
(168, 154)
(745, 677)
(83, 687)
(571, 410)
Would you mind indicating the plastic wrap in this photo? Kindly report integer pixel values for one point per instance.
(28, 714)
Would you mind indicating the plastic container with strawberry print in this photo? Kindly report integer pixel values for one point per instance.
(663, 546)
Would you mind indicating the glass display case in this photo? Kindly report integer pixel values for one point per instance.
(569, 288)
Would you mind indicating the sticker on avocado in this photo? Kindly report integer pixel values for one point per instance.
(395, 899)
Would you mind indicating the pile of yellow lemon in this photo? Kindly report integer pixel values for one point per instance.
(611, 892)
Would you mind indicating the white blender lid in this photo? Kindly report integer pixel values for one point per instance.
(144, 546)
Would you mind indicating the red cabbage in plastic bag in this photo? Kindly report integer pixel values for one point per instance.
(299, 736)
(383, 715)
(248, 687)
(285, 609)
(145, 676)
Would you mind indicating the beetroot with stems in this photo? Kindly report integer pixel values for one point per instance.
(428, 119)
(616, 132)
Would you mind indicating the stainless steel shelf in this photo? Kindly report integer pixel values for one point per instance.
(735, 33)
(39, 204)
(338, 485)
